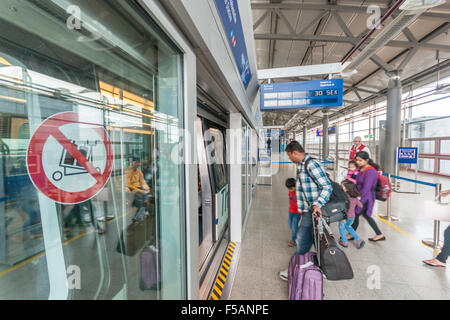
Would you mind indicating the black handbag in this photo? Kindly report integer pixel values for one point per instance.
(334, 211)
(332, 260)
(336, 208)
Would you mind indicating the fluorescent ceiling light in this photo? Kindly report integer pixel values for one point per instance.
(420, 4)
(349, 73)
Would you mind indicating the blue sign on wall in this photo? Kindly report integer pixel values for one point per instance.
(407, 155)
(231, 20)
(305, 94)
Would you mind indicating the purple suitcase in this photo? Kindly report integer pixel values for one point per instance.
(150, 268)
(305, 279)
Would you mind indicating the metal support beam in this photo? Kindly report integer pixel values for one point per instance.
(304, 137)
(376, 59)
(393, 122)
(433, 34)
(286, 22)
(261, 19)
(338, 39)
(325, 139)
(296, 5)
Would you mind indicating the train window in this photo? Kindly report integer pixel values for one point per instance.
(215, 147)
(90, 115)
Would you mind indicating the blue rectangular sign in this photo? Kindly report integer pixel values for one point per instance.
(305, 94)
(407, 155)
(231, 20)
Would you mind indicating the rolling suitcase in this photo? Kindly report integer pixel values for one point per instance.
(150, 261)
(150, 268)
(305, 279)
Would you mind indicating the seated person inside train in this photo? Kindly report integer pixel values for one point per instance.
(135, 183)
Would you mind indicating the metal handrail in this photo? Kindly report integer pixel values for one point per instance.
(412, 180)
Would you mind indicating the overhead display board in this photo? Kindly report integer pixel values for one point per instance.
(231, 19)
(304, 94)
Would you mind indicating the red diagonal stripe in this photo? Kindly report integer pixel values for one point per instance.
(74, 152)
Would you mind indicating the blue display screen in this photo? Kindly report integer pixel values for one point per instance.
(305, 94)
(231, 19)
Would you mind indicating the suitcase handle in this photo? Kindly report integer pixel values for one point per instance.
(306, 265)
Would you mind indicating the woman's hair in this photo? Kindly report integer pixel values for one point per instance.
(352, 189)
(290, 183)
(353, 162)
(365, 156)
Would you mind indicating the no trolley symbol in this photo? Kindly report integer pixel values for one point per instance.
(75, 158)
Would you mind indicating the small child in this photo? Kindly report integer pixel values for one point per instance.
(294, 215)
(346, 224)
(352, 171)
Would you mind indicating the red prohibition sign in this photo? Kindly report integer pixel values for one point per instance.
(51, 127)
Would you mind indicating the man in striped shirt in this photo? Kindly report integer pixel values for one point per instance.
(313, 191)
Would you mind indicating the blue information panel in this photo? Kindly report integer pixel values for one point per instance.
(305, 94)
(231, 20)
(407, 155)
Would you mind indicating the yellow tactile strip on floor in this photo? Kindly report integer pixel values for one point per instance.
(216, 292)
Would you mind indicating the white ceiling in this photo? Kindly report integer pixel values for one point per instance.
(315, 20)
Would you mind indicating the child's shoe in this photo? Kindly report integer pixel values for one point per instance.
(292, 243)
(344, 244)
(360, 244)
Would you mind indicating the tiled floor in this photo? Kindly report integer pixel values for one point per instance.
(397, 261)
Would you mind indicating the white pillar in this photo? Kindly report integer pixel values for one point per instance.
(234, 158)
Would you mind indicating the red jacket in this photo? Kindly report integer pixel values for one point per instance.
(354, 150)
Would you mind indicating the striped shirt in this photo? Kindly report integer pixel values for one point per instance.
(317, 190)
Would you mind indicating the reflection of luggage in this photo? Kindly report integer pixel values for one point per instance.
(332, 260)
(305, 278)
(138, 233)
(150, 268)
(150, 259)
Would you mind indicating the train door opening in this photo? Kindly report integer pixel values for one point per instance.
(213, 193)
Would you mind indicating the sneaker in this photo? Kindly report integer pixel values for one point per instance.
(360, 244)
(284, 275)
(344, 244)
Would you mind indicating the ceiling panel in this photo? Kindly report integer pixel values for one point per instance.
(421, 27)
(369, 76)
